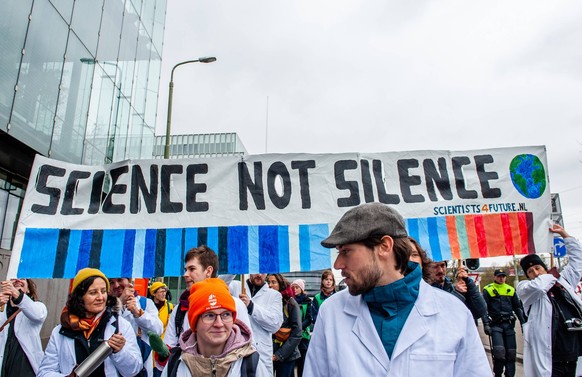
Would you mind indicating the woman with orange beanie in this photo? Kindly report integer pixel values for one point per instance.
(217, 344)
(89, 319)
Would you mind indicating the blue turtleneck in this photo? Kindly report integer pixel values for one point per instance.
(391, 304)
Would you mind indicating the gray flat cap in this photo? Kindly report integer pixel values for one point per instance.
(364, 221)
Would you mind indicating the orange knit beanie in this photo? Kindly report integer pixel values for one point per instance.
(207, 295)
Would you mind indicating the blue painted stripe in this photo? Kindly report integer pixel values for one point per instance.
(85, 249)
(319, 255)
(72, 254)
(304, 248)
(284, 258)
(190, 242)
(112, 252)
(212, 238)
(253, 237)
(39, 249)
(268, 249)
(434, 239)
(412, 225)
(238, 244)
(173, 264)
(443, 236)
(128, 253)
(149, 253)
(138, 252)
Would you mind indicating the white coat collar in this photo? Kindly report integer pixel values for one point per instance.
(415, 327)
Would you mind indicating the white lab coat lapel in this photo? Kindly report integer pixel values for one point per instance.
(416, 325)
(364, 329)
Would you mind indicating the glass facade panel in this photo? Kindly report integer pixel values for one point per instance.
(71, 119)
(110, 30)
(87, 28)
(122, 130)
(10, 216)
(40, 75)
(65, 8)
(158, 34)
(13, 25)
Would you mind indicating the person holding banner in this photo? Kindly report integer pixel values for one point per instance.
(21, 320)
(142, 313)
(389, 322)
(89, 319)
(264, 309)
(553, 331)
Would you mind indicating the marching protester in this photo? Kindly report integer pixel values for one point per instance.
(199, 263)
(389, 322)
(326, 290)
(142, 313)
(553, 331)
(216, 343)
(264, 309)
(305, 306)
(89, 319)
(502, 302)
(464, 289)
(286, 340)
(418, 255)
(158, 292)
(21, 320)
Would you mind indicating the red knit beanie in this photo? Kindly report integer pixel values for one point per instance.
(207, 295)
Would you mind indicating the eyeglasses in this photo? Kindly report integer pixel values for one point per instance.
(210, 317)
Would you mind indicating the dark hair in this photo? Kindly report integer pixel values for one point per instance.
(401, 250)
(283, 283)
(206, 257)
(324, 275)
(32, 292)
(75, 302)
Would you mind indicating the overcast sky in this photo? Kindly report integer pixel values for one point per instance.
(375, 76)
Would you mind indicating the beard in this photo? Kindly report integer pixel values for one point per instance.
(368, 279)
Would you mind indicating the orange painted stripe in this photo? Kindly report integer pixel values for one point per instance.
(453, 237)
(472, 236)
(494, 235)
(507, 236)
(515, 233)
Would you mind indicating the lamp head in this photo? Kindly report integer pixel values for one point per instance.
(209, 59)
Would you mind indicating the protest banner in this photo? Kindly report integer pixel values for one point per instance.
(269, 213)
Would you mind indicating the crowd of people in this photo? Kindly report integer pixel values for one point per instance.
(400, 315)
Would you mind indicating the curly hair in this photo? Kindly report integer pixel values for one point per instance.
(75, 303)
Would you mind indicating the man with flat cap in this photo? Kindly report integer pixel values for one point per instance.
(502, 303)
(389, 322)
(553, 332)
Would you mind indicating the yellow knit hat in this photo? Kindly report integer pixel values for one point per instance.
(86, 273)
(155, 286)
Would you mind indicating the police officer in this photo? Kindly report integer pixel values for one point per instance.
(502, 302)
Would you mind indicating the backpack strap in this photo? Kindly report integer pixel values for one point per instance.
(180, 314)
(249, 365)
(174, 361)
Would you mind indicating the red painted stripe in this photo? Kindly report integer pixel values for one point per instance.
(507, 235)
(481, 236)
(522, 221)
(453, 237)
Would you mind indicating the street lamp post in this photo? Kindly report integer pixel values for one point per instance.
(170, 95)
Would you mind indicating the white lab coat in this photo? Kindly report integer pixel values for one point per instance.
(27, 330)
(537, 331)
(59, 358)
(266, 319)
(171, 338)
(148, 321)
(439, 337)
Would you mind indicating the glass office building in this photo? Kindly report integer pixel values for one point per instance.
(79, 82)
